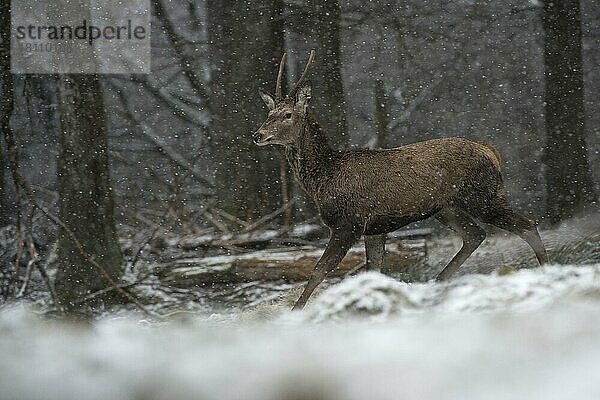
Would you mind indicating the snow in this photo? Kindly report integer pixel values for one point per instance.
(370, 293)
(382, 297)
(530, 334)
(304, 229)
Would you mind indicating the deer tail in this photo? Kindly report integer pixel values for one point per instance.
(492, 153)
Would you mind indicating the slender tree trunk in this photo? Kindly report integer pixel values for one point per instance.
(86, 199)
(569, 183)
(4, 214)
(284, 172)
(329, 87)
(381, 114)
(6, 104)
(244, 58)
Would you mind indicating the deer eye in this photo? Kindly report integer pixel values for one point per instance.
(287, 115)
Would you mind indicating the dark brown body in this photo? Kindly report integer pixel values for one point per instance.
(379, 191)
(373, 192)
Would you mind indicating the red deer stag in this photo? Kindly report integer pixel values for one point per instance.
(373, 192)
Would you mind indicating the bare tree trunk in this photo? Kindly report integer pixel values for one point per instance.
(568, 178)
(284, 173)
(329, 88)
(6, 103)
(86, 199)
(244, 57)
(285, 195)
(4, 212)
(381, 114)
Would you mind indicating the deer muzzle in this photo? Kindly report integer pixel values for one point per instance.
(259, 138)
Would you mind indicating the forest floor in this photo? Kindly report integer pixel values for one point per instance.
(500, 330)
(179, 280)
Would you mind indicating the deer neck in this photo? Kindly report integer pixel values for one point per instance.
(310, 156)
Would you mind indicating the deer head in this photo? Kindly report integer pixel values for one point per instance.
(287, 114)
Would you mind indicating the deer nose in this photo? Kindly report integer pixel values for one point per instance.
(256, 137)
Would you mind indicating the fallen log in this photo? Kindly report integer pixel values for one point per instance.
(292, 265)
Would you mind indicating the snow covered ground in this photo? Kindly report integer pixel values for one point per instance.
(531, 334)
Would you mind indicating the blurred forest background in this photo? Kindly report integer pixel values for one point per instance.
(97, 158)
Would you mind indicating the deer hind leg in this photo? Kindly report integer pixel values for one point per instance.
(507, 219)
(471, 233)
(339, 244)
(374, 249)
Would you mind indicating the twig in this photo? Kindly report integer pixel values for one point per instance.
(183, 216)
(107, 289)
(269, 217)
(163, 217)
(150, 223)
(26, 279)
(229, 217)
(102, 272)
(49, 192)
(139, 281)
(143, 245)
(215, 222)
(163, 147)
(42, 270)
(186, 62)
(34, 260)
(19, 182)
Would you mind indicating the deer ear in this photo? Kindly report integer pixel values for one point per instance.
(303, 96)
(269, 101)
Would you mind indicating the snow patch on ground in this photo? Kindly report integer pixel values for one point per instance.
(380, 297)
(532, 334)
(369, 294)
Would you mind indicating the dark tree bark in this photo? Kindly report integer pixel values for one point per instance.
(330, 104)
(245, 55)
(381, 114)
(568, 178)
(6, 104)
(4, 213)
(284, 172)
(86, 199)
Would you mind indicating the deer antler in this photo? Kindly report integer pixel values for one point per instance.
(311, 57)
(278, 94)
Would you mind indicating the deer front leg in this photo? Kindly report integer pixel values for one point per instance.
(339, 244)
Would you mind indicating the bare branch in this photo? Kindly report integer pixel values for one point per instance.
(160, 144)
(269, 217)
(215, 222)
(163, 95)
(186, 62)
(229, 217)
(100, 269)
